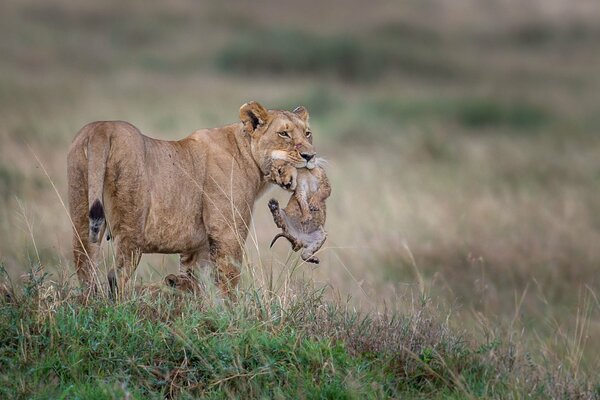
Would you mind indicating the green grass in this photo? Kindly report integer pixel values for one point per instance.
(11, 182)
(359, 59)
(282, 52)
(164, 344)
(473, 114)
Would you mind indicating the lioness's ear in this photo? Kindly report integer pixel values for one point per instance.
(301, 112)
(252, 116)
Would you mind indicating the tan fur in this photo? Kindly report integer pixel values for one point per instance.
(184, 282)
(303, 219)
(283, 174)
(192, 196)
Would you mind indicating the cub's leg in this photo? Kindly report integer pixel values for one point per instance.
(277, 214)
(302, 198)
(290, 232)
(314, 242)
(318, 198)
(127, 258)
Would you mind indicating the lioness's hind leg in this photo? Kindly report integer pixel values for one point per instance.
(84, 252)
(127, 258)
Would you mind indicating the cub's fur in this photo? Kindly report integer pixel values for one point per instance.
(192, 196)
(303, 218)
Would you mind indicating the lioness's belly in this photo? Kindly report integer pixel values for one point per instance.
(155, 197)
(168, 232)
(173, 223)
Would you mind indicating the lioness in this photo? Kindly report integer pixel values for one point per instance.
(303, 219)
(192, 196)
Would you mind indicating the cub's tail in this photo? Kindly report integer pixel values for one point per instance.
(97, 151)
(277, 237)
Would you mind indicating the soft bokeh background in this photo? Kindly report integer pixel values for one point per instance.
(462, 139)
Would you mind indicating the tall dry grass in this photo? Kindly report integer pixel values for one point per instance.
(463, 153)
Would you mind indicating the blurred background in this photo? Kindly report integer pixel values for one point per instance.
(462, 139)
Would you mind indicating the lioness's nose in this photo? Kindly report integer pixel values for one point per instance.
(307, 156)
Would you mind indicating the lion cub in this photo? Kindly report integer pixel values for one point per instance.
(303, 218)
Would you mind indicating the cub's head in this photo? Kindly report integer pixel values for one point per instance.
(278, 135)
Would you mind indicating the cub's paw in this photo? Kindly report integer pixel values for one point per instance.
(291, 186)
(273, 205)
(288, 182)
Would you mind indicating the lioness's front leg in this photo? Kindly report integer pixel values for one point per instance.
(190, 263)
(226, 253)
(225, 249)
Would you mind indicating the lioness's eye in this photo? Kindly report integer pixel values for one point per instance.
(284, 134)
(308, 133)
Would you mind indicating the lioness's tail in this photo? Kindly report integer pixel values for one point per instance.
(97, 151)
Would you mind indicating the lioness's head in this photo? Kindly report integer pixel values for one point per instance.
(280, 135)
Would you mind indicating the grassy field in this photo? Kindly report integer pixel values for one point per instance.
(462, 140)
(277, 341)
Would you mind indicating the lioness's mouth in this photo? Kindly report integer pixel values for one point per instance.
(297, 162)
(302, 164)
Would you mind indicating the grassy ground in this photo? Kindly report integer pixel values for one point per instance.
(462, 141)
(286, 343)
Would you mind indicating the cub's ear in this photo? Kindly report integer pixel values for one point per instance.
(301, 112)
(252, 115)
